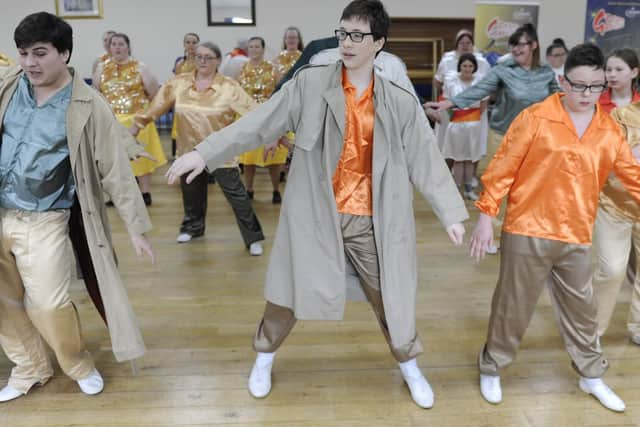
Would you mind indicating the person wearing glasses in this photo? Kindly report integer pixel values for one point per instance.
(204, 102)
(553, 162)
(346, 224)
(556, 55)
(617, 230)
(128, 85)
(519, 82)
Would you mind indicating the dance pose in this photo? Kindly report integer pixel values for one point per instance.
(61, 149)
(552, 164)
(347, 216)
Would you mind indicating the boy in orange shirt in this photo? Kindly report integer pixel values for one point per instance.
(552, 164)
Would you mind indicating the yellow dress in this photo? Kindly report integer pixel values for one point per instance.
(5, 61)
(186, 65)
(122, 87)
(259, 82)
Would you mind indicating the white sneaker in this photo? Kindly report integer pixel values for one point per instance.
(474, 182)
(471, 195)
(9, 393)
(635, 338)
(421, 391)
(255, 249)
(490, 388)
(260, 380)
(598, 389)
(492, 249)
(92, 383)
(184, 238)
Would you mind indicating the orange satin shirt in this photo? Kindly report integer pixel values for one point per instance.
(552, 177)
(352, 178)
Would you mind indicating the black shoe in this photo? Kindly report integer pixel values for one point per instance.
(147, 198)
(109, 204)
(250, 194)
(276, 199)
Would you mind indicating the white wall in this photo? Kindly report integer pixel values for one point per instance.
(156, 27)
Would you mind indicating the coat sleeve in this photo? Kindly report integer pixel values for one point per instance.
(428, 171)
(269, 121)
(503, 169)
(115, 170)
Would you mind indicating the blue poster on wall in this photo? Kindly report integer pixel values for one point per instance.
(613, 24)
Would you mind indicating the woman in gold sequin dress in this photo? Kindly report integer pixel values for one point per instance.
(292, 46)
(258, 80)
(128, 87)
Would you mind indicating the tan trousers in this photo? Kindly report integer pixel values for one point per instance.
(613, 238)
(526, 264)
(360, 250)
(35, 270)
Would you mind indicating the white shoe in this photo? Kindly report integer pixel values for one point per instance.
(492, 249)
(474, 182)
(92, 384)
(598, 389)
(255, 249)
(421, 391)
(490, 388)
(184, 238)
(635, 338)
(9, 393)
(471, 195)
(260, 380)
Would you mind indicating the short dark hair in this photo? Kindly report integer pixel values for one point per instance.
(258, 38)
(530, 33)
(555, 44)
(371, 11)
(587, 54)
(468, 57)
(43, 27)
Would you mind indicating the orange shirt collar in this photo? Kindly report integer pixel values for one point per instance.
(348, 87)
(552, 109)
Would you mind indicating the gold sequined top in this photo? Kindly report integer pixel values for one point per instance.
(122, 87)
(284, 61)
(199, 113)
(5, 61)
(185, 65)
(258, 81)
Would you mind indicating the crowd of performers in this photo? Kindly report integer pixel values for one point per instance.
(555, 160)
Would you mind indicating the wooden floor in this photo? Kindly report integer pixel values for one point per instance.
(198, 308)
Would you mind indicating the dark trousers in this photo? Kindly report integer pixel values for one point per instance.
(194, 199)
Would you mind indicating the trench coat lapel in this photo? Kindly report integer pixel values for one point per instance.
(78, 114)
(335, 101)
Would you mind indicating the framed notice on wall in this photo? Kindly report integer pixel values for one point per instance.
(79, 9)
(496, 21)
(613, 24)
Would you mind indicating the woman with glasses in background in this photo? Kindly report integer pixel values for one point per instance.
(205, 101)
(518, 82)
(556, 56)
(616, 236)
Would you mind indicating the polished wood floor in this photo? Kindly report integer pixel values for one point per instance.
(198, 308)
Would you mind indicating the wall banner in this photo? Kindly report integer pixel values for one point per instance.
(613, 24)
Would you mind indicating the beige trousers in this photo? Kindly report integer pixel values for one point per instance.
(613, 238)
(526, 264)
(360, 250)
(36, 267)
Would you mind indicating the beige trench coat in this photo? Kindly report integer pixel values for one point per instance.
(100, 149)
(308, 270)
